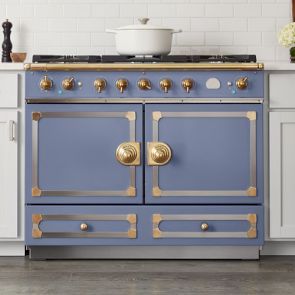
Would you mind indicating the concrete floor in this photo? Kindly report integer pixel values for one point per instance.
(270, 275)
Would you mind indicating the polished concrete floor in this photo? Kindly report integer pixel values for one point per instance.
(270, 275)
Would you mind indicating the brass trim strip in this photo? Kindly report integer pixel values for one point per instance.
(38, 192)
(143, 100)
(38, 218)
(250, 234)
(142, 67)
(250, 192)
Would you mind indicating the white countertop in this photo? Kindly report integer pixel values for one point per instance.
(10, 66)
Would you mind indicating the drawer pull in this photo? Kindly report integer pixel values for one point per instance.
(128, 153)
(84, 226)
(159, 153)
(204, 226)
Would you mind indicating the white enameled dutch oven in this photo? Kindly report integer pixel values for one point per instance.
(143, 39)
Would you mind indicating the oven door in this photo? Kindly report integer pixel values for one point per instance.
(83, 153)
(205, 153)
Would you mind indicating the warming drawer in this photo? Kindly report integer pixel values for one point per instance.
(144, 225)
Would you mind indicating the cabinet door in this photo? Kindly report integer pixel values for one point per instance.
(204, 154)
(83, 154)
(282, 174)
(8, 174)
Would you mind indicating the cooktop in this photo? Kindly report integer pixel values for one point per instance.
(241, 58)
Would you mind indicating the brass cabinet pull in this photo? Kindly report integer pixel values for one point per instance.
(128, 153)
(204, 226)
(159, 153)
(84, 226)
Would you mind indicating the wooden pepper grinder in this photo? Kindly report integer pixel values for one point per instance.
(6, 45)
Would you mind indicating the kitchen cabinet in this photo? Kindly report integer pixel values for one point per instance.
(282, 174)
(8, 174)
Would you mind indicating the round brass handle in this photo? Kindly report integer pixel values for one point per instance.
(127, 153)
(161, 153)
(242, 83)
(68, 84)
(144, 84)
(46, 83)
(100, 84)
(122, 84)
(187, 84)
(165, 85)
(84, 226)
(204, 226)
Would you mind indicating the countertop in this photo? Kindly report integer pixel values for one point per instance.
(10, 66)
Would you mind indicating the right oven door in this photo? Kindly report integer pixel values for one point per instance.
(204, 153)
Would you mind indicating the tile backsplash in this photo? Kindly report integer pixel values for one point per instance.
(209, 26)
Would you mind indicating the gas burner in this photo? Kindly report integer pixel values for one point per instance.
(144, 59)
(66, 58)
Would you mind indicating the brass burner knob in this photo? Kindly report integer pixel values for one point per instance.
(204, 226)
(165, 85)
(100, 84)
(161, 153)
(144, 84)
(46, 83)
(68, 83)
(122, 84)
(242, 83)
(187, 84)
(84, 226)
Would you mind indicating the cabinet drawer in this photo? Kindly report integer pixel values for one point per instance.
(72, 225)
(208, 225)
(8, 90)
(281, 90)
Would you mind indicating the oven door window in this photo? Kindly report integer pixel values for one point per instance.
(206, 153)
(84, 153)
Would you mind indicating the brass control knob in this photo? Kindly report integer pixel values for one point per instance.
(144, 84)
(68, 83)
(204, 226)
(242, 83)
(46, 83)
(122, 84)
(187, 84)
(165, 85)
(84, 226)
(100, 84)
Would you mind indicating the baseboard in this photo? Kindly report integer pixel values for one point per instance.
(12, 249)
(278, 248)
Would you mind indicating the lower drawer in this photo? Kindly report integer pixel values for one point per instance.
(144, 225)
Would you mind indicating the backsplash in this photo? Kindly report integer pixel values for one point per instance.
(209, 26)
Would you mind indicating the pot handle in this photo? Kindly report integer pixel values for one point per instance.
(176, 31)
(111, 31)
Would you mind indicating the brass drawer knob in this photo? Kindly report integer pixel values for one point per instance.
(128, 153)
(204, 226)
(84, 226)
(159, 153)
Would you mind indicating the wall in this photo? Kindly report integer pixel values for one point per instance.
(210, 26)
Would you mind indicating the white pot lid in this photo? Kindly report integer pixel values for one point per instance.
(143, 25)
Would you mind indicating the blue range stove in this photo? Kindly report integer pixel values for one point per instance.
(159, 157)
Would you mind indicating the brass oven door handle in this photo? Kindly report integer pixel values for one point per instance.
(158, 153)
(128, 153)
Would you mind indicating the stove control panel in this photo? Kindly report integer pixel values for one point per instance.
(145, 85)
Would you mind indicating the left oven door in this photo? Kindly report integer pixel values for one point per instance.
(83, 153)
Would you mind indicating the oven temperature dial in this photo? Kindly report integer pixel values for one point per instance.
(242, 83)
(68, 84)
(46, 83)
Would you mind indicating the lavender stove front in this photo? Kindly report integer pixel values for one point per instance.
(159, 157)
